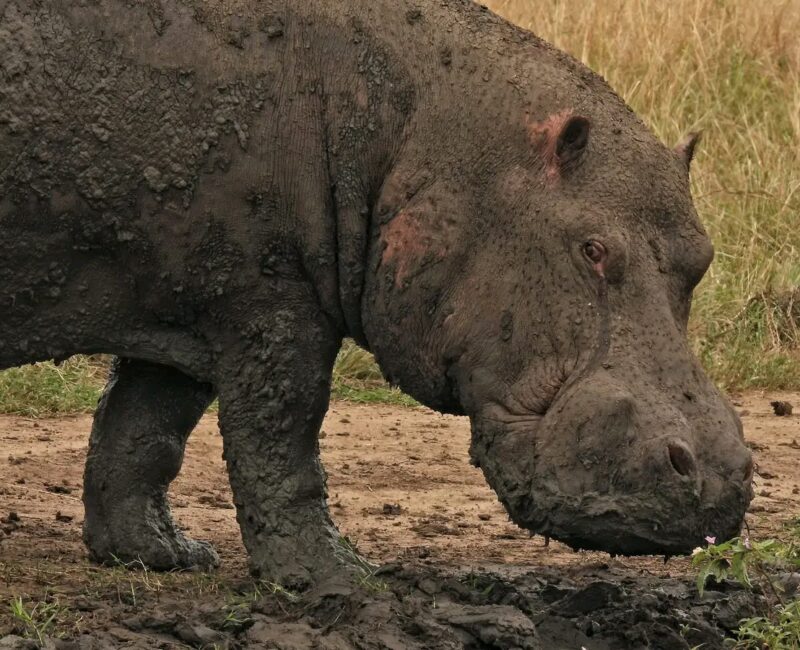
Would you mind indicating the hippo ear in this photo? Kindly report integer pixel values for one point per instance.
(560, 140)
(572, 140)
(686, 148)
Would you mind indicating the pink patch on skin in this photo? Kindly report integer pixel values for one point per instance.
(404, 241)
(544, 136)
(407, 242)
(600, 269)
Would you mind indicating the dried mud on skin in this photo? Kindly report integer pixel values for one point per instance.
(457, 574)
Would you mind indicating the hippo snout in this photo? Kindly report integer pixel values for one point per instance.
(661, 474)
(628, 470)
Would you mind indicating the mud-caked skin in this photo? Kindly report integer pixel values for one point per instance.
(219, 192)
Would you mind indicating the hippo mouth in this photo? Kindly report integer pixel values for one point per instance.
(620, 527)
(631, 544)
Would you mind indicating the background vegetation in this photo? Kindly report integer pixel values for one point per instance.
(730, 68)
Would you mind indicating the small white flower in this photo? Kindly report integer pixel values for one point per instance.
(697, 551)
(711, 539)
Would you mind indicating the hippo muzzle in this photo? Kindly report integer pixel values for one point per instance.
(605, 469)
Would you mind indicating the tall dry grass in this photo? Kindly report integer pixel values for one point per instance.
(730, 68)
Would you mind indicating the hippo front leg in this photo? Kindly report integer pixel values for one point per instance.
(273, 397)
(140, 429)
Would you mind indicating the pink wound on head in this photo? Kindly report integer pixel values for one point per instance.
(544, 136)
(407, 244)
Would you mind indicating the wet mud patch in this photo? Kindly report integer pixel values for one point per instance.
(415, 607)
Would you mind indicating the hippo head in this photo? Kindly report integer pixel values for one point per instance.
(541, 283)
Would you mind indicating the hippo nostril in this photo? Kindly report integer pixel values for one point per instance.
(748, 471)
(681, 459)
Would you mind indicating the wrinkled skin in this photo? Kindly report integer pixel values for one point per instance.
(218, 193)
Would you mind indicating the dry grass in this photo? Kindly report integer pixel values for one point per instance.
(730, 68)
(47, 389)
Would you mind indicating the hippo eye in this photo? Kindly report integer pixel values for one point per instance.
(595, 252)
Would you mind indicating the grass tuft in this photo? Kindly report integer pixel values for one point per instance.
(46, 389)
(38, 620)
(357, 378)
(757, 565)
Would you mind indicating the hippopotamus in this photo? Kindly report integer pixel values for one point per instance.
(218, 193)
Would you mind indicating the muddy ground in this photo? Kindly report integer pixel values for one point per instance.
(455, 572)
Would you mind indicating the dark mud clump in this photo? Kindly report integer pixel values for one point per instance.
(781, 409)
(419, 608)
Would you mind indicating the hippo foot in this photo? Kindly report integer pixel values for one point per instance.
(150, 540)
(163, 554)
(298, 565)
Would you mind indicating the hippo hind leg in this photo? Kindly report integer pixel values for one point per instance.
(140, 429)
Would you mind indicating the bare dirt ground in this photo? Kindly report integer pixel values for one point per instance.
(456, 572)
